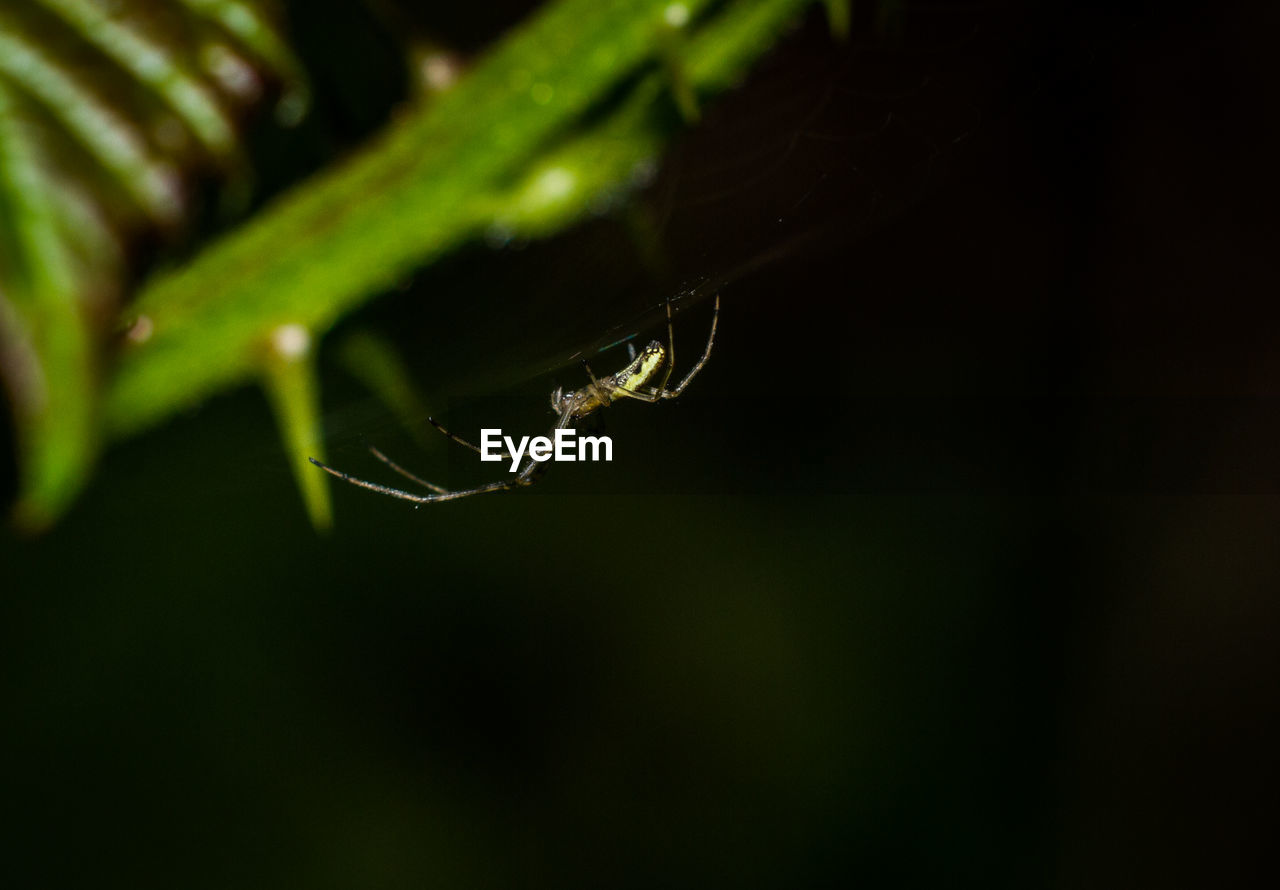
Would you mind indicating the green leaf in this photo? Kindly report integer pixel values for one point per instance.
(564, 117)
(44, 336)
(104, 110)
(289, 376)
(503, 152)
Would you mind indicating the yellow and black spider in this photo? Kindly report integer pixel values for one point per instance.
(632, 382)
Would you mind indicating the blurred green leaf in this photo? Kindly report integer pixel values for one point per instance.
(106, 111)
(373, 361)
(502, 153)
(564, 117)
(289, 375)
(45, 343)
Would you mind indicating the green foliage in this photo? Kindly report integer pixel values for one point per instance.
(373, 361)
(45, 341)
(563, 117)
(104, 109)
(290, 379)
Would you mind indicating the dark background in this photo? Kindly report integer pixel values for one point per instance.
(955, 567)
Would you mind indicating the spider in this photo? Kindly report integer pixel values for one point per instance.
(632, 382)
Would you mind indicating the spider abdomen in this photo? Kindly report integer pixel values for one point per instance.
(643, 369)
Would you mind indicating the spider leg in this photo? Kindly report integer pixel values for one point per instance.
(443, 495)
(661, 392)
(461, 441)
(671, 357)
(532, 470)
(373, 486)
(706, 354)
(530, 473)
(594, 382)
(405, 473)
(656, 392)
(635, 394)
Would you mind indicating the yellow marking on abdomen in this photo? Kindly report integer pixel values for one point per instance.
(643, 369)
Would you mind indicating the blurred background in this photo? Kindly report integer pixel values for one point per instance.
(956, 566)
